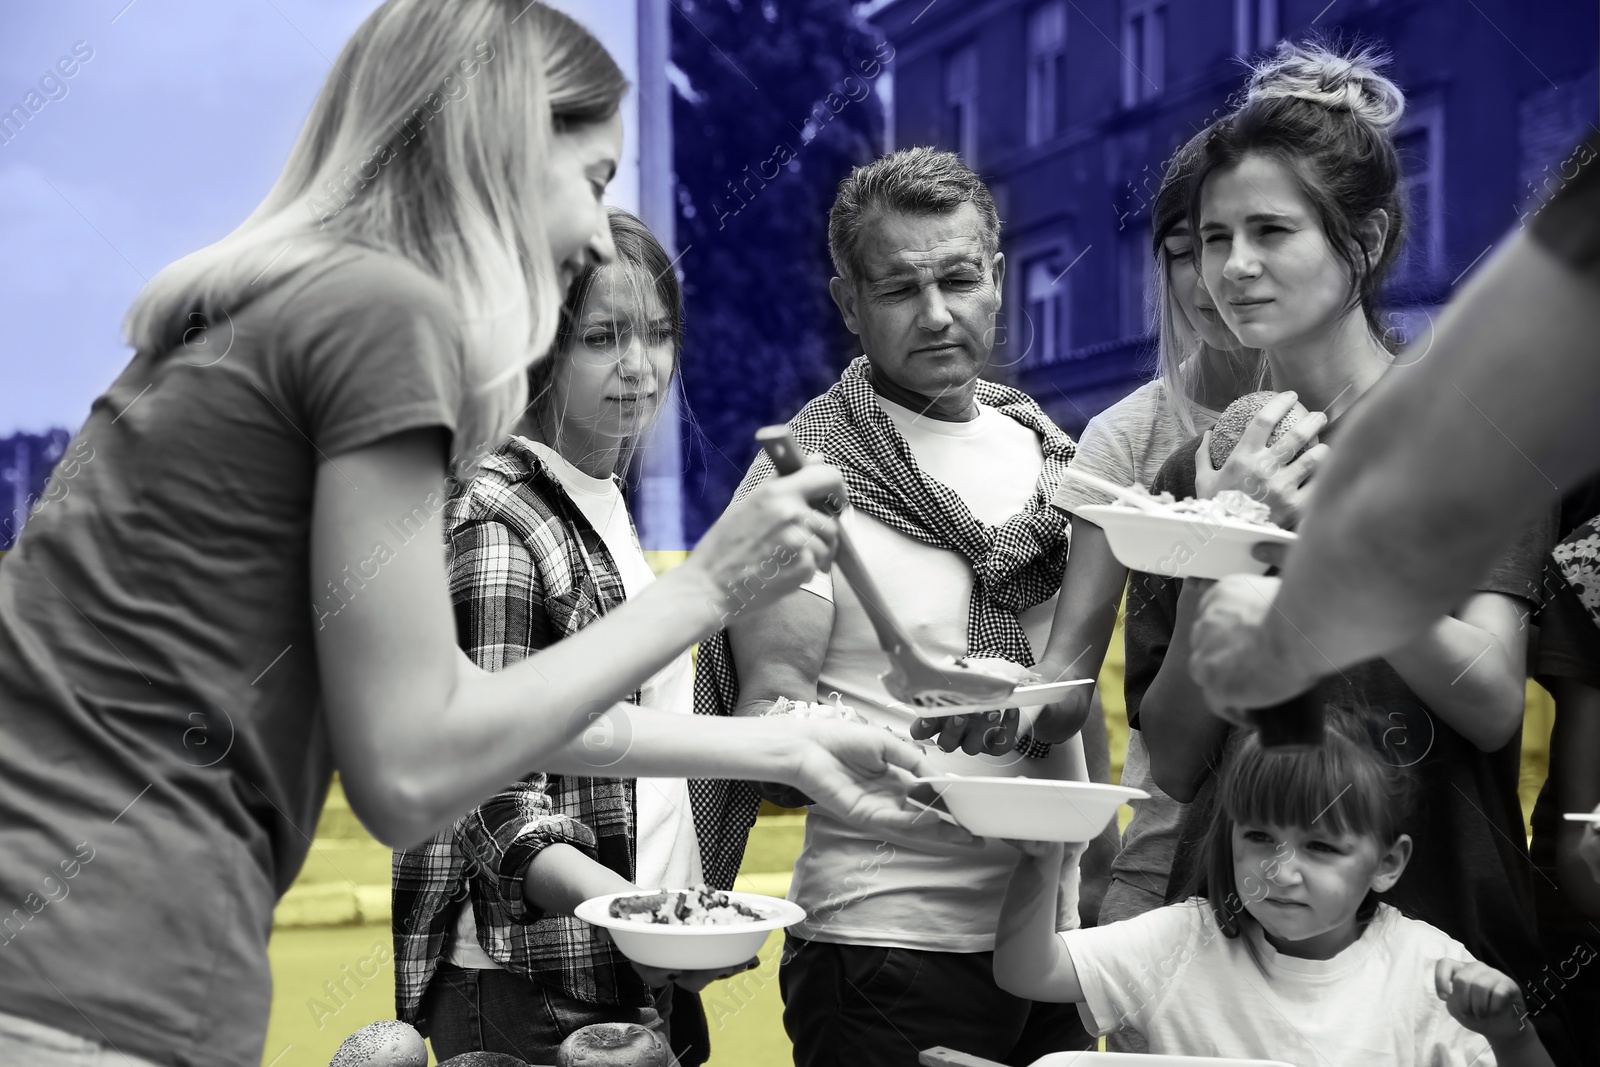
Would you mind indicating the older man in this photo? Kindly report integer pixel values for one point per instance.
(950, 477)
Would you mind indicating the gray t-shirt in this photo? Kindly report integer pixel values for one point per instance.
(1126, 444)
(163, 754)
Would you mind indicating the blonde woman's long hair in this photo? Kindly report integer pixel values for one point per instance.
(429, 140)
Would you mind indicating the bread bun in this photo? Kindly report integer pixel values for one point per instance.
(484, 1059)
(1231, 426)
(614, 1045)
(385, 1043)
(1353, 83)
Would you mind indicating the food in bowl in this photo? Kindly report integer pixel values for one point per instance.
(703, 906)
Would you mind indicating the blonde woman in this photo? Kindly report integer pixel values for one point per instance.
(171, 701)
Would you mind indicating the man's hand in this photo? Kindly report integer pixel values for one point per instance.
(1483, 1000)
(1232, 655)
(782, 795)
(694, 981)
(992, 733)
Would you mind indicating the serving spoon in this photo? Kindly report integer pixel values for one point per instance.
(913, 676)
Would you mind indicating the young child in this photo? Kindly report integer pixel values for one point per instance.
(488, 955)
(1286, 952)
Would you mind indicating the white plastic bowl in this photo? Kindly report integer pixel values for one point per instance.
(1031, 809)
(1177, 547)
(691, 948)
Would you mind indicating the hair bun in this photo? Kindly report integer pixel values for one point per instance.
(1339, 82)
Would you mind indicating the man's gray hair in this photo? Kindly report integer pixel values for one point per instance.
(912, 181)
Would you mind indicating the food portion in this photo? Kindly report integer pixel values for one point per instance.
(613, 1045)
(837, 711)
(1228, 505)
(1231, 426)
(702, 906)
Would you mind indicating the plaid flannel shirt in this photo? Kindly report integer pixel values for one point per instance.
(526, 570)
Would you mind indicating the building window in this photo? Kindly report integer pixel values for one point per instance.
(1047, 296)
(1047, 68)
(1144, 50)
(961, 102)
(1420, 145)
(1255, 25)
(1134, 268)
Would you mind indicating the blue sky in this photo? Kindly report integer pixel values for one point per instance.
(164, 140)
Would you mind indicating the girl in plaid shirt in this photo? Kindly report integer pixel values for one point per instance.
(488, 954)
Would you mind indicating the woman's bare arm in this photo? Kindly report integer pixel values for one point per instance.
(421, 735)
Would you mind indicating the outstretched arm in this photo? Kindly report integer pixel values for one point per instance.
(421, 735)
(1030, 960)
(1441, 464)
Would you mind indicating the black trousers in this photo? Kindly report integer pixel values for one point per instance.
(469, 1010)
(864, 1006)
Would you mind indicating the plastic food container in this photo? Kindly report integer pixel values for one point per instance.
(1177, 546)
(691, 948)
(1031, 809)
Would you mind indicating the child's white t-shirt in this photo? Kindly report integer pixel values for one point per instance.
(1172, 975)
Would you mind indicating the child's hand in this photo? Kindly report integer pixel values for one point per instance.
(1481, 998)
(1038, 851)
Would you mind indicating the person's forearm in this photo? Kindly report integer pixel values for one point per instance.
(561, 877)
(504, 724)
(1523, 1050)
(1181, 736)
(1086, 611)
(1443, 461)
(1027, 952)
(1466, 677)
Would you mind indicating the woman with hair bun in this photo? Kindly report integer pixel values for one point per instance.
(1296, 202)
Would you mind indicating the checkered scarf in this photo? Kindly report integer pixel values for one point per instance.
(1015, 565)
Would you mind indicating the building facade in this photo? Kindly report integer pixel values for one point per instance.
(1070, 108)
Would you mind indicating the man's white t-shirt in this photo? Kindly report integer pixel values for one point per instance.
(667, 852)
(855, 888)
(1172, 975)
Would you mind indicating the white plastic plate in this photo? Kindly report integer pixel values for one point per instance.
(1176, 546)
(1036, 695)
(1030, 809)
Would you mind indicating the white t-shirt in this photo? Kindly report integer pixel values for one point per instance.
(667, 852)
(1173, 976)
(862, 891)
(1127, 443)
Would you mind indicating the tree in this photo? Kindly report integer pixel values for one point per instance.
(775, 102)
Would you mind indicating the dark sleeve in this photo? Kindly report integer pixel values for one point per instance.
(375, 350)
(1152, 598)
(505, 834)
(1569, 222)
(1519, 569)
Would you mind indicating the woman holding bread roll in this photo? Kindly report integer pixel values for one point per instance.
(1298, 210)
